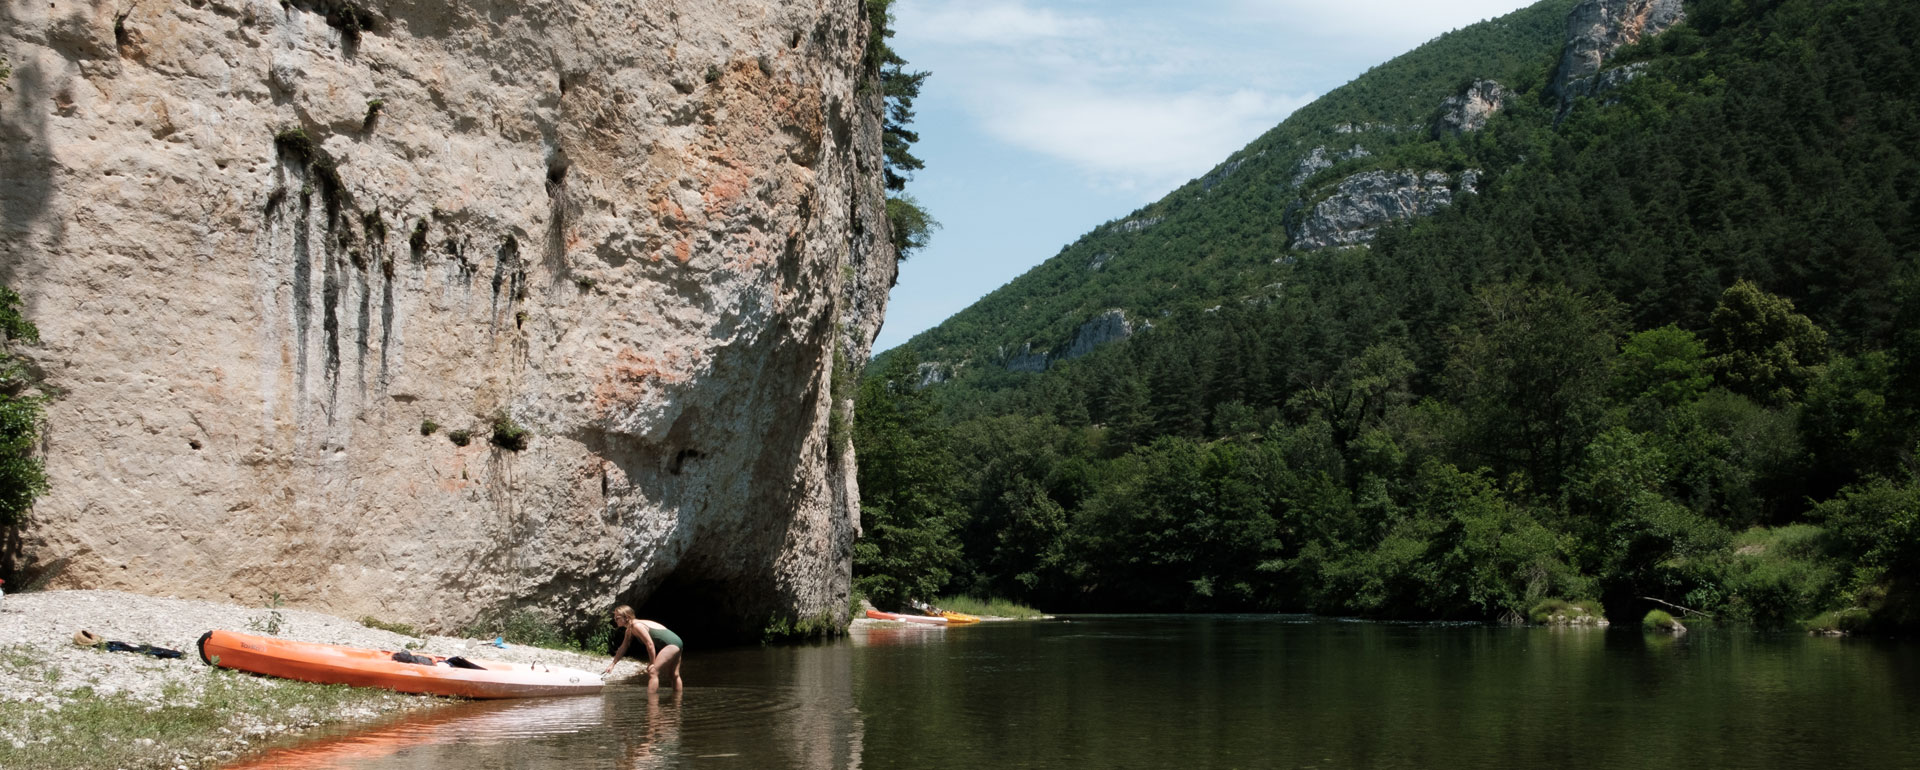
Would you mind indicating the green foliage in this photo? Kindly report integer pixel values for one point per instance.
(1851, 620)
(786, 630)
(907, 548)
(271, 623)
(428, 427)
(908, 221)
(22, 476)
(398, 628)
(460, 437)
(1533, 364)
(987, 608)
(1668, 365)
(1666, 349)
(197, 719)
(1557, 611)
(1659, 620)
(507, 434)
(911, 227)
(526, 627)
(1764, 349)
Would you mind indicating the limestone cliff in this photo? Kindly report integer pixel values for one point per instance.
(282, 253)
(1597, 28)
(1363, 203)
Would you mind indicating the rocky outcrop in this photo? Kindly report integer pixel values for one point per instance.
(1318, 160)
(930, 373)
(1027, 360)
(1110, 326)
(1469, 110)
(1225, 170)
(280, 252)
(1362, 203)
(1597, 28)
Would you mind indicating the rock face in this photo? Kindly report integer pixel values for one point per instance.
(1597, 28)
(1362, 203)
(1318, 160)
(1102, 329)
(1469, 110)
(1027, 360)
(270, 244)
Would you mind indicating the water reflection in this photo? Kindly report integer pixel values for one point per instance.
(421, 740)
(1204, 692)
(755, 708)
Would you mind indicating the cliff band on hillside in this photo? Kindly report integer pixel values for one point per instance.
(303, 270)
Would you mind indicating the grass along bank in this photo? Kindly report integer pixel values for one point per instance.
(66, 706)
(995, 608)
(205, 722)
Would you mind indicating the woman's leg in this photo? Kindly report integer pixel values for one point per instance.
(667, 662)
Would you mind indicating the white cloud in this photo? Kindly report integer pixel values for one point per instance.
(1409, 22)
(1152, 140)
(1140, 96)
(991, 24)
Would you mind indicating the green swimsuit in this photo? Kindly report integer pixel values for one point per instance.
(663, 637)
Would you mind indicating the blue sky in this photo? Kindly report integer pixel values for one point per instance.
(1045, 118)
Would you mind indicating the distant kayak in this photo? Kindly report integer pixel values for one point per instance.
(431, 675)
(933, 621)
(958, 618)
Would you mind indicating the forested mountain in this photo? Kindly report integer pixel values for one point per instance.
(1650, 330)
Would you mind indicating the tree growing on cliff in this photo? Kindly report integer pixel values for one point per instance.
(21, 476)
(910, 223)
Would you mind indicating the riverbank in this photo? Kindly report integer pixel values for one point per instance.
(62, 705)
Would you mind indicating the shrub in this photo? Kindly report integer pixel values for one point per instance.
(999, 608)
(429, 427)
(1851, 620)
(1560, 612)
(523, 627)
(460, 437)
(785, 630)
(1659, 620)
(398, 628)
(507, 434)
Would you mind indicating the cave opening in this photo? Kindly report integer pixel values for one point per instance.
(704, 612)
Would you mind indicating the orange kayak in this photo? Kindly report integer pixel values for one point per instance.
(927, 619)
(336, 664)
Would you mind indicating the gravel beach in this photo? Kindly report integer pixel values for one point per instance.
(43, 671)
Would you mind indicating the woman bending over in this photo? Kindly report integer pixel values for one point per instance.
(663, 647)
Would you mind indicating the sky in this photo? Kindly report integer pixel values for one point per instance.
(1045, 118)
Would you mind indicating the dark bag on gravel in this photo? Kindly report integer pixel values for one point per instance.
(144, 649)
(407, 657)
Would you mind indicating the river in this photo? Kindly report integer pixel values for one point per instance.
(1215, 691)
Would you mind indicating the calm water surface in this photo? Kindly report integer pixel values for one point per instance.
(1206, 691)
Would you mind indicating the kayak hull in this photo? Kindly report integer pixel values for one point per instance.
(337, 664)
(923, 619)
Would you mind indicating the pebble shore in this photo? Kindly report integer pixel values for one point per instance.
(41, 665)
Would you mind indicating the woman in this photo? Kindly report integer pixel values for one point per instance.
(663, 647)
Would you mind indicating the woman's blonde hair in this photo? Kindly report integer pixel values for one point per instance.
(623, 610)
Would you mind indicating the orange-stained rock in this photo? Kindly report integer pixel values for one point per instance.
(262, 250)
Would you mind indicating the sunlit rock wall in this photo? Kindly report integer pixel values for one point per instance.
(282, 254)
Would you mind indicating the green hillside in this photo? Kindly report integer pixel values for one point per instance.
(1670, 349)
(1218, 235)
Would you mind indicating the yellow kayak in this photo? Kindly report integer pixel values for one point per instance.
(958, 618)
